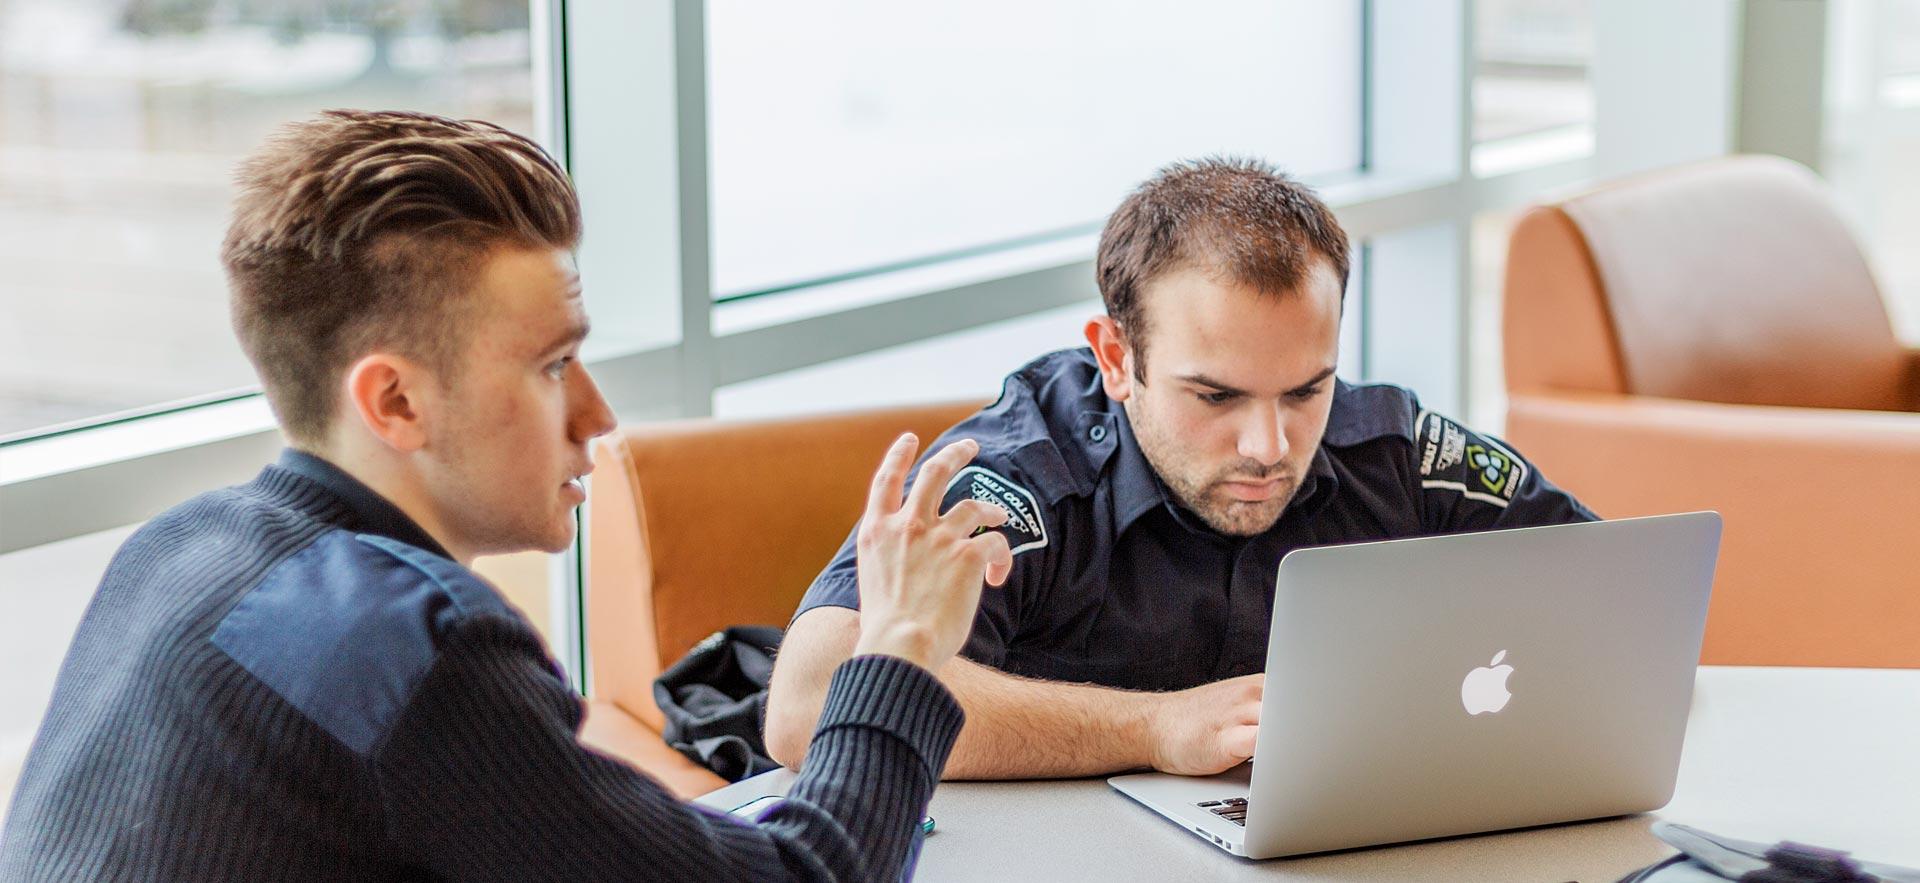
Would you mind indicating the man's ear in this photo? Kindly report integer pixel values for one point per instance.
(1115, 355)
(387, 393)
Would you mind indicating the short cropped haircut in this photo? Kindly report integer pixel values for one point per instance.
(360, 231)
(1238, 218)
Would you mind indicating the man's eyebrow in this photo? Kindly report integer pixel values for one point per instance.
(1204, 380)
(1316, 381)
(575, 332)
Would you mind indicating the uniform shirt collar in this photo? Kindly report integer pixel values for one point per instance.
(1137, 489)
(372, 513)
(1320, 484)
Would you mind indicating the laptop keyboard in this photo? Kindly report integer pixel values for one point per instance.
(1233, 809)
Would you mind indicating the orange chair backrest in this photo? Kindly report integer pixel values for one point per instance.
(701, 524)
(1728, 281)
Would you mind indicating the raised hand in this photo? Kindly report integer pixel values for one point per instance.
(920, 571)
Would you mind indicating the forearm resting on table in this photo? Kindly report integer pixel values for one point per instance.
(1016, 727)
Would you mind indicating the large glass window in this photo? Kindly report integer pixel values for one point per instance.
(951, 367)
(850, 135)
(1532, 84)
(1486, 290)
(968, 364)
(120, 124)
(1872, 150)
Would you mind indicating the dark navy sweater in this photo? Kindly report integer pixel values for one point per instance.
(290, 680)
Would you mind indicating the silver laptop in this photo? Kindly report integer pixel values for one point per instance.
(1464, 683)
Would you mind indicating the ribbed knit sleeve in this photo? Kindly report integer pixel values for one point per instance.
(883, 738)
(484, 777)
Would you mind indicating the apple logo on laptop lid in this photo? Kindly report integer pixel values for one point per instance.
(1485, 689)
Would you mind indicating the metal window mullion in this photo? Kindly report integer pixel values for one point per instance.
(1414, 264)
(1365, 291)
(566, 608)
(1367, 85)
(1465, 68)
(548, 27)
(698, 368)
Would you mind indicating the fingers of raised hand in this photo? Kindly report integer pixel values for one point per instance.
(999, 557)
(968, 516)
(889, 483)
(931, 485)
(975, 519)
(996, 555)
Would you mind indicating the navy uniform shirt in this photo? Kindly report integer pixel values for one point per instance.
(1114, 583)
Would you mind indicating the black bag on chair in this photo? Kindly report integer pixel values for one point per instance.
(715, 701)
(1710, 858)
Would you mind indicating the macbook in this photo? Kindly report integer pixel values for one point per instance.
(1464, 683)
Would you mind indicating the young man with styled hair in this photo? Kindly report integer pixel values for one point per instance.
(299, 678)
(1156, 478)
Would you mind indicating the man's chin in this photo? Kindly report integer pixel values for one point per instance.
(1237, 518)
(555, 539)
(559, 542)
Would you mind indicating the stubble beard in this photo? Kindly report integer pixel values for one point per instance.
(1205, 495)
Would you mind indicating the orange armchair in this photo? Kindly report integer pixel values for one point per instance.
(1710, 337)
(697, 525)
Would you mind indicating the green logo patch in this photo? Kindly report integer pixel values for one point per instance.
(1495, 468)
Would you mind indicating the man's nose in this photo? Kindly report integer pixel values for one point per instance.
(592, 416)
(1263, 435)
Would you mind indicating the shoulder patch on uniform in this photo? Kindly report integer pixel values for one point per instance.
(1026, 528)
(1453, 458)
(345, 629)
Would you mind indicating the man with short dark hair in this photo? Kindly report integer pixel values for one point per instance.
(1155, 480)
(299, 678)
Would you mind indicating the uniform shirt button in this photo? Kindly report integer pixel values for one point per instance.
(1097, 433)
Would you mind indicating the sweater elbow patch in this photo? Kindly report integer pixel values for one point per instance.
(344, 630)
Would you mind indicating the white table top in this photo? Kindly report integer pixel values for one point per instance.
(1823, 756)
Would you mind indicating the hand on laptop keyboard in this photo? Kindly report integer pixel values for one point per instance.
(1206, 729)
